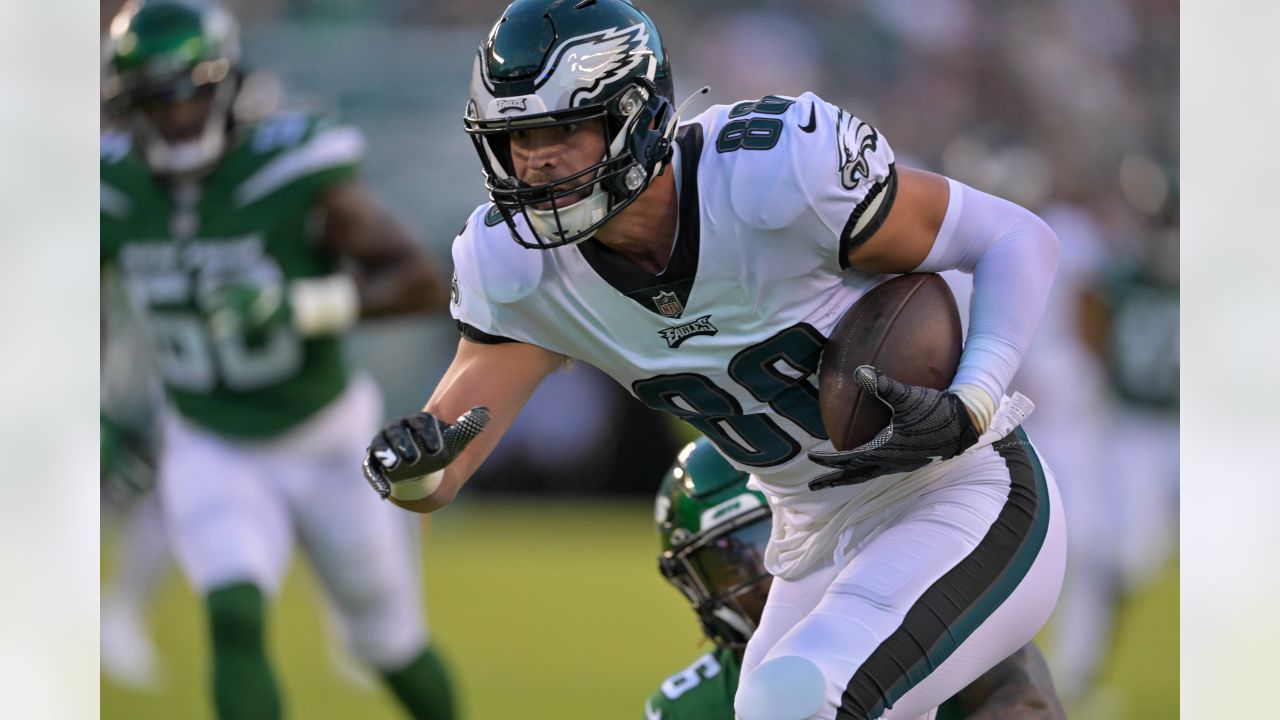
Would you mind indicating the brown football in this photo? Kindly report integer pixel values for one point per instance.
(908, 327)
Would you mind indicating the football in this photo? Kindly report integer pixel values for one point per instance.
(908, 327)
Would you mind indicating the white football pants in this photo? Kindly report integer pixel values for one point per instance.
(234, 508)
(958, 579)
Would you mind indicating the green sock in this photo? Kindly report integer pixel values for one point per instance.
(244, 687)
(423, 687)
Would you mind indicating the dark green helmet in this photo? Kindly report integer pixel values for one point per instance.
(161, 54)
(550, 63)
(713, 531)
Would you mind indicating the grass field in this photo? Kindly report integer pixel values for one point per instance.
(551, 610)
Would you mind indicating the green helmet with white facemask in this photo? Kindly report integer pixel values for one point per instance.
(161, 53)
(713, 530)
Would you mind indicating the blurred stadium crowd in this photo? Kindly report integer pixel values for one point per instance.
(1068, 107)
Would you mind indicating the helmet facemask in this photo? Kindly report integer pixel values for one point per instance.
(167, 52)
(199, 153)
(722, 575)
(638, 123)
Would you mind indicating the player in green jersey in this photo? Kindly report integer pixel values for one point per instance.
(233, 239)
(713, 530)
(1128, 316)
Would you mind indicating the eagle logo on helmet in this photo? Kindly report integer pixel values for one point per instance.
(590, 62)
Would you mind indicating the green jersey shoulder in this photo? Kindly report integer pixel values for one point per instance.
(296, 151)
(702, 691)
(283, 159)
(250, 219)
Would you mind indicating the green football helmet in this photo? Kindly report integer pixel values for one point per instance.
(713, 530)
(171, 71)
(550, 63)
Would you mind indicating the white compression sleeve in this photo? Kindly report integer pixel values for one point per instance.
(1012, 255)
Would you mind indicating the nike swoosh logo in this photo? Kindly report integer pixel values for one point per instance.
(650, 713)
(388, 458)
(813, 120)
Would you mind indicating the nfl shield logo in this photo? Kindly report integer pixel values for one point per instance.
(668, 304)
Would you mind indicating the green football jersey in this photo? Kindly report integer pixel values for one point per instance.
(702, 691)
(252, 218)
(1142, 344)
(705, 690)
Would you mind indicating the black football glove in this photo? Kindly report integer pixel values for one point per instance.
(417, 445)
(926, 425)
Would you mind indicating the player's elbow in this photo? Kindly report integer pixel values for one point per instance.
(1043, 239)
(1027, 243)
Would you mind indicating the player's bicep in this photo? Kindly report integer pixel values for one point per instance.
(903, 240)
(500, 377)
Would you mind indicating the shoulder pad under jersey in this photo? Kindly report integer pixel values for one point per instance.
(786, 155)
(291, 147)
(491, 270)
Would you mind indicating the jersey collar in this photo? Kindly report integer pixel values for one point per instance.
(667, 293)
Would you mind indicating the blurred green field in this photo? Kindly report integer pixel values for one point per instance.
(549, 610)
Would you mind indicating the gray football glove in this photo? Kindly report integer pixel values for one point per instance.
(417, 445)
(927, 425)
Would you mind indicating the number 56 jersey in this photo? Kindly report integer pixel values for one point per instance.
(772, 196)
(252, 220)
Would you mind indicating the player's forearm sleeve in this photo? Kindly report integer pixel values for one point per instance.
(1013, 256)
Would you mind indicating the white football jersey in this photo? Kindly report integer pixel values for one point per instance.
(772, 195)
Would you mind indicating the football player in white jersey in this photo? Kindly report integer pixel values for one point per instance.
(702, 265)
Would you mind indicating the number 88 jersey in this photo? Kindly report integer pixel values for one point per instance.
(773, 193)
(250, 222)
